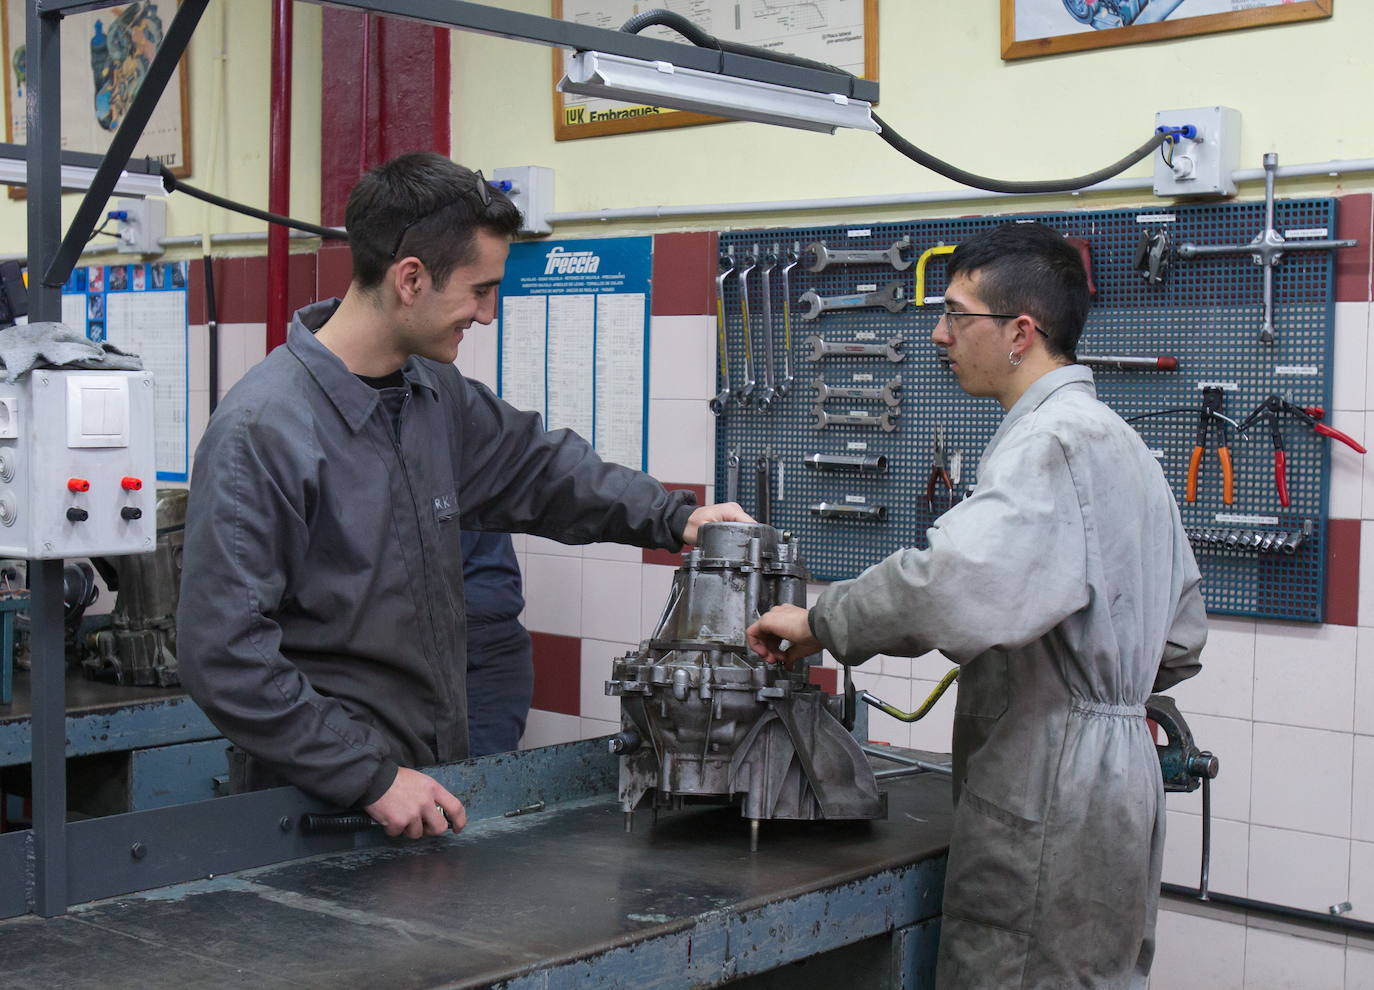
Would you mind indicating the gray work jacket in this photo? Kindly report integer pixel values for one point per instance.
(321, 624)
(1066, 588)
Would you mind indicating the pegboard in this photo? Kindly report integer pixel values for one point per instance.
(1207, 313)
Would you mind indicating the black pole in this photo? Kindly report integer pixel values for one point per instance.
(1334, 922)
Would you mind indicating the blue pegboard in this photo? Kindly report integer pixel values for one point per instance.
(1207, 313)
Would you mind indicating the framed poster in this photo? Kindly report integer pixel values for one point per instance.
(842, 33)
(1047, 27)
(105, 55)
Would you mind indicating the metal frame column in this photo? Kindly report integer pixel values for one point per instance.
(279, 180)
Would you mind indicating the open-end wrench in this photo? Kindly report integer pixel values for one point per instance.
(891, 297)
(732, 475)
(886, 420)
(888, 392)
(822, 257)
(727, 265)
(767, 262)
(848, 510)
(892, 350)
(791, 258)
(745, 393)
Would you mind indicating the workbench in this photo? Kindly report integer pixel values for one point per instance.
(559, 897)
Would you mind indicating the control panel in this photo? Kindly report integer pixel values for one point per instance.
(77, 469)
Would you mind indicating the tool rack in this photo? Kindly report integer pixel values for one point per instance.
(1206, 312)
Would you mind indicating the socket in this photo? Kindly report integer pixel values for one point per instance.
(531, 191)
(1202, 164)
(145, 227)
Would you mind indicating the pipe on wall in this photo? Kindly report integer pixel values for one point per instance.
(279, 182)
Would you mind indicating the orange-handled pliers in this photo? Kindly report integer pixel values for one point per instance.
(1209, 418)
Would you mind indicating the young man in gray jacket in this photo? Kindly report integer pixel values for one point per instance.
(321, 624)
(1066, 589)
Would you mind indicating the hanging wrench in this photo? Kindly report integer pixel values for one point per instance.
(732, 475)
(891, 297)
(769, 261)
(892, 350)
(717, 404)
(822, 257)
(888, 392)
(792, 257)
(886, 421)
(745, 393)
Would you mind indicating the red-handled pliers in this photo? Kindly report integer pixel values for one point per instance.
(1271, 408)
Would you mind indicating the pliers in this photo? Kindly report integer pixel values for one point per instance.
(939, 471)
(1208, 418)
(1271, 408)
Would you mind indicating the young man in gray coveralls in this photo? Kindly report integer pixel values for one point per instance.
(321, 624)
(1066, 589)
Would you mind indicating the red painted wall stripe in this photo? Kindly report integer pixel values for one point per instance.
(1343, 572)
(557, 673)
(684, 274)
(1354, 218)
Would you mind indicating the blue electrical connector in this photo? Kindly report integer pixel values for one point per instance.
(1176, 134)
(504, 185)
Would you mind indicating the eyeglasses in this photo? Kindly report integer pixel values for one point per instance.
(951, 315)
(483, 194)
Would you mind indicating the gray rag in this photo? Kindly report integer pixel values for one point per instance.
(54, 345)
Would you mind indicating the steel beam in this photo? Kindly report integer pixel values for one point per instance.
(49, 750)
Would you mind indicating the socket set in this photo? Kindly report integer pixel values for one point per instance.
(1255, 540)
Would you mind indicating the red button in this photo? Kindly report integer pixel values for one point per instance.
(78, 485)
(131, 484)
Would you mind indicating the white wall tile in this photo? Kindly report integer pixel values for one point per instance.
(520, 542)
(613, 551)
(593, 728)
(1229, 869)
(541, 544)
(1347, 477)
(1225, 686)
(597, 657)
(553, 602)
(895, 691)
(1364, 680)
(656, 581)
(682, 442)
(1180, 965)
(1230, 740)
(682, 355)
(549, 728)
(254, 337)
(1362, 880)
(197, 416)
(1305, 675)
(198, 357)
(610, 600)
(1348, 359)
(233, 360)
(1359, 968)
(1298, 868)
(1275, 961)
(1301, 779)
(1362, 809)
(477, 353)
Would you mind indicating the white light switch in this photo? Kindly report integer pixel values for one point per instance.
(97, 411)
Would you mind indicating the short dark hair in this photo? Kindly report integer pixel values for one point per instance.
(1029, 268)
(430, 205)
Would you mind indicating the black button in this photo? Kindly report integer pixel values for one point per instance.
(131, 513)
(77, 515)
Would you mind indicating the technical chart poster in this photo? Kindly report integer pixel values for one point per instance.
(573, 340)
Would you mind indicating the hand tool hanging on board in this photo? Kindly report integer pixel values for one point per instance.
(865, 463)
(745, 393)
(1210, 418)
(892, 350)
(891, 297)
(926, 255)
(1152, 255)
(887, 393)
(727, 265)
(791, 259)
(768, 260)
(732, 474)
(1266, 250)
(849, 510)
(1274, 406)
(820, 257)
(1130, 362)
(763, 488)
(886, 421)
(939, 472)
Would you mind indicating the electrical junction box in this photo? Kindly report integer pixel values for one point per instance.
(1203, 164)
(77, 469)
(144, 227)
(531, 190)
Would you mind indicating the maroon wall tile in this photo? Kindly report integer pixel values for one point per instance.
(229, 303)
(557, 673)
(195, 292)
(827, 677)
(1354, 218)
(667, 556)
(333, 271)
(254, 276)
(684, 274)
(300, 281)
(1343, 572)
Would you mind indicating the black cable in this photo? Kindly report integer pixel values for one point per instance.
(1162, 412)
(172, 184)
(698, 37)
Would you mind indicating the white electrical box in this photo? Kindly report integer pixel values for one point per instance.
(1204, 163)
(78, 476)
(144, 226)
(531, 191)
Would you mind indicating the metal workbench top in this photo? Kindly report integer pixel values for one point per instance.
(558, 898)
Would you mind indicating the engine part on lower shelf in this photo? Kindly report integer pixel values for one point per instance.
(703, 718)
(886, 393)
(892, 297)
(892, 350)
(849, 510)
(819, 257)
(866, 463)
(885, 421)
(1130, 362)
(1256, 540)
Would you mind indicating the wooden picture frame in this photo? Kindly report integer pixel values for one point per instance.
(168, 135)
(566, 127)
(1049, 27)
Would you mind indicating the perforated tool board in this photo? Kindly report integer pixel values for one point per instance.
(1207, 313)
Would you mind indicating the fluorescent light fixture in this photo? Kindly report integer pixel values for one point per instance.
(662, 84)
(15, 172)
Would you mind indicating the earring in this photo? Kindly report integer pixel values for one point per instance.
(1013, 360)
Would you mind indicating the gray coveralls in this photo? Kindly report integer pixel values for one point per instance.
(1066, 589)
(321, 625)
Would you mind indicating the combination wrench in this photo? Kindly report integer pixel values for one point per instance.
(823, 257)
(745, 393)
(885, 421)
(888, 392)
(769, 261)
(792, 257)
(892, 350)
(891, 297)
(717, 404)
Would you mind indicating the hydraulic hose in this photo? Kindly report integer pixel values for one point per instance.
(172, 184)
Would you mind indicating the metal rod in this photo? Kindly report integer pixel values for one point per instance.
(910, 764)
(279, 180)
(1206, 837)
(122, 145)
(49, 728)
(1334, 922)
